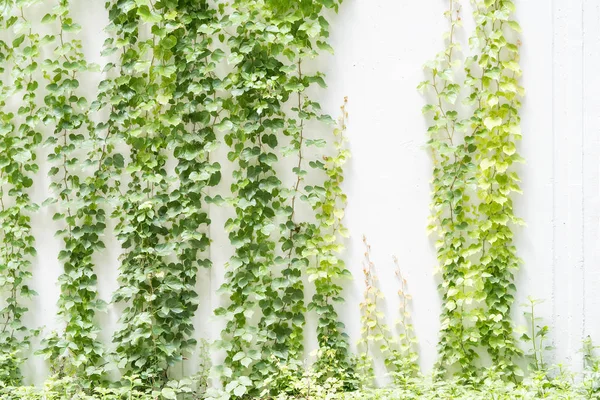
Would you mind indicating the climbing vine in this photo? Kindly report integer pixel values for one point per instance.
(141, 211)
(406, 366)
(377, 337)
(196, 100)
(308, 32)
(325, 245)
(254, 118)
(452, 217)
(250, 228)
(19, 140)
(159, 220)
(472, 205)
(496, 126)
(77, 350)
(264, 279)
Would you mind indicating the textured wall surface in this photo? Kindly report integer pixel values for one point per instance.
(380, 47)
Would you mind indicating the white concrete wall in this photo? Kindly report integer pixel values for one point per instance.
(380, 47)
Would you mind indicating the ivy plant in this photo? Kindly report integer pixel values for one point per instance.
(452, 217)
(496, 128)
(198, 103)
(163, 107)
(265, 318)
(77, 198)
(325, 244)
(472, 188)
(19, 140)
(253, 120)
(377, 337)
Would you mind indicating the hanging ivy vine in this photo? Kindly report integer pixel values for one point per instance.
(19, 140)
(452, 211)
(271, 41)
(160, 221)
(472, 205)
(254, 116)
(196, 99)
(141, 212)
(77, 350)
(496, 127)
(325, 245)
(306, 33)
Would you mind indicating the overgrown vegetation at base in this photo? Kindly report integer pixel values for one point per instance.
(553, 384)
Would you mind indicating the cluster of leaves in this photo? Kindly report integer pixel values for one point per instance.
(76, 351)
(493, 387)
(254, 117)
(472, 213)
(543, 382)
(166, 100)
(325, 245)
(377, 338)
(19, 139)
(406, 366)
(496, 128)
(591, 373)
(552, 383)
(159, 102)
(451, 217)
(264, 279)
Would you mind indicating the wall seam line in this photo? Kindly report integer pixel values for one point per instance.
(583, 141)
(553, 91)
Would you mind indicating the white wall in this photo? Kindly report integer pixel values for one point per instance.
(380, 47)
